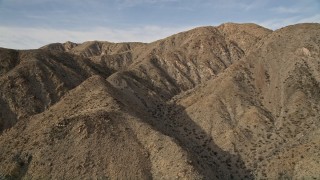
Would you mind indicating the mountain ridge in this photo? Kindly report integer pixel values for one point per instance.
(235, 101)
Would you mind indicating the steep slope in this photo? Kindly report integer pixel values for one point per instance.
(180, 62)
(174, 64)
(148, 85)
(91, 134)
(236, 101)
(265, 107)
(31, 81)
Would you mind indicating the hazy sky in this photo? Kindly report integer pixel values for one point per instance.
(33, 23)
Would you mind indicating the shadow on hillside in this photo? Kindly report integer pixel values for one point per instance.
(53, 74)
(7, 117)
(172, 120)
(209, 159)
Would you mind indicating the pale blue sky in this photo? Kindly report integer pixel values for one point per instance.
(33, 23)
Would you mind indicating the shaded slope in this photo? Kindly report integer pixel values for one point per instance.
(182, 61)
(34, 80)
(177, 63)
(141, 87)
(145, 80)
(8, 60)
(265, 108)
(235, 101)
(69, 140)
(90, 134)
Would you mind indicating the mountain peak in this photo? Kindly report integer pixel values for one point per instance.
(215, 102)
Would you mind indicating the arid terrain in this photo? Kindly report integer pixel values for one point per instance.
(235, 101)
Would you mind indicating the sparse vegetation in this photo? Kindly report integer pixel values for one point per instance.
(181, 107)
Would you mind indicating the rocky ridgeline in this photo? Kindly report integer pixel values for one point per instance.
(236, 101)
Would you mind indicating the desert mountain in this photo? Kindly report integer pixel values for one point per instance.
(236, 101)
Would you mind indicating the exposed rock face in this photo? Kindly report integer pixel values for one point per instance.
(236, 101)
